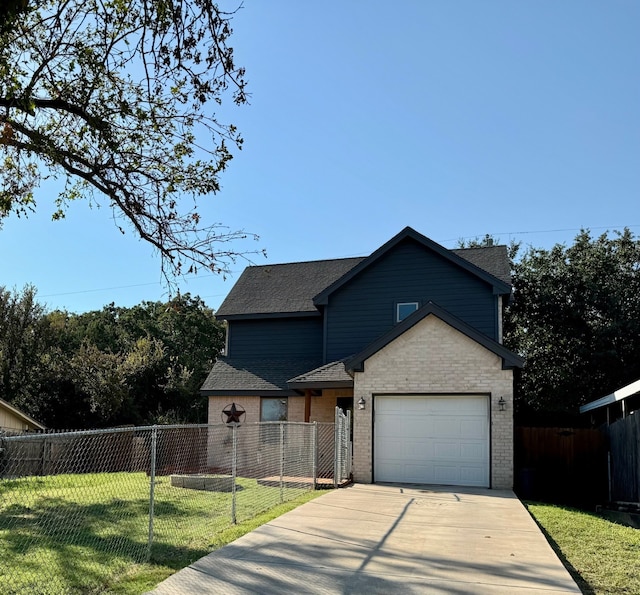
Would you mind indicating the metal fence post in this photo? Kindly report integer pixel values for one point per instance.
(314, 453)
(336, 434)
(234, 471)
(43, 470)
(281, 462)
(347, 440)
(152, 487)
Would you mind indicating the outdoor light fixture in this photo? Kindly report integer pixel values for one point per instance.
(361, 403)
(502, 404)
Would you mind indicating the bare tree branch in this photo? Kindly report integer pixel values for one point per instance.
(119, 99)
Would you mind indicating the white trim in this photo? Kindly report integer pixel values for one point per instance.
(23, 416)
(622, 393)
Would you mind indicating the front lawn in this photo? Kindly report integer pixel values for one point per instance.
(89, 533)
(603, 557)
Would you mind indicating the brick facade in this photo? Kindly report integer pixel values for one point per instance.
(434, 358)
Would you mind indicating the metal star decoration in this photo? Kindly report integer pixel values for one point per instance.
(235, 413)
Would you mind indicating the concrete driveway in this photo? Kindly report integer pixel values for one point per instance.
(387, 539)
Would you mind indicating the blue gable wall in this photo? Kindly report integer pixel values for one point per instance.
(276, 338)
(364, 308)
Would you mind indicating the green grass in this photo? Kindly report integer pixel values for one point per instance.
(603, 557)
(89, 533)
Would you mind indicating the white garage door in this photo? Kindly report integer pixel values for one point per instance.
(432, 439)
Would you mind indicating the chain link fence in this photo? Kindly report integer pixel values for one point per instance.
(79, 509)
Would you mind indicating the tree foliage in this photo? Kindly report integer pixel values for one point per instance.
(576, 318)
(118, 99)
(23, 339)
(107, 367)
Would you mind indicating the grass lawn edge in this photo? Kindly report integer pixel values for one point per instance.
(140, 578)
(601, 556)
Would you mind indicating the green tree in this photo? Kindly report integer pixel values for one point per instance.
(118, 99)
(132, 365)
(575, 317)
(113, 366)
(23, 341)
(100, 377)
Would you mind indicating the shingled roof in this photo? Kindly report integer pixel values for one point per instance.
(282, 288)
(493, 259)
(239, 376)
(290, 288)
(332, 375)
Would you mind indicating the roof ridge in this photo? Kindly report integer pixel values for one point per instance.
(479, 247)
(281, 264)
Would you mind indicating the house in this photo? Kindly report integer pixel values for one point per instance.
(14, 420)
(412, 333)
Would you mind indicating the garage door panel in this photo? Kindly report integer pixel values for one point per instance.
(446, 427)
(413, 427)
(418, 450)
(473, 428)
(419, 473)
(394, 448)
(446, 450)
(429, 439)
(472, 451)
(447, 474)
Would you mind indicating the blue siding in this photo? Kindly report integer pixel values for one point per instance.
(364, 308)
(274, 338)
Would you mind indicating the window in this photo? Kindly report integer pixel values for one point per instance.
(273, 409)
(403, 309)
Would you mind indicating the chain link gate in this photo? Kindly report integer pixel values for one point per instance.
(342, 447)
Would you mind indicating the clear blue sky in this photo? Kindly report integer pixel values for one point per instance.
(456, 117)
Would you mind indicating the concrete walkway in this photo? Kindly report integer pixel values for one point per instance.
(387, 539)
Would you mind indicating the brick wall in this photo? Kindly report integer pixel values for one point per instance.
(432, 357)
(323, 409)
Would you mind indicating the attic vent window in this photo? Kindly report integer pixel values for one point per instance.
(404, 309)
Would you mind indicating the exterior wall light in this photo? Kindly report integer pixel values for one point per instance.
(502, 404)
(361, 403)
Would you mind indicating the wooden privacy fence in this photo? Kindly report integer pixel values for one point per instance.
(624, 436)
(561, 465)
(103, 451)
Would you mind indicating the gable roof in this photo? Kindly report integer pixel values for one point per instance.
(21, 415)
(289, 289)
(282, 288)
(500, 287)
(509, 359)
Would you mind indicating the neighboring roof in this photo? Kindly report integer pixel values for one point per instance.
(619, 395)
(500, 287)
(273, 290)
(282, 288)
(21, 415)
(240, 376)
(509, 359)
(332, 375)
